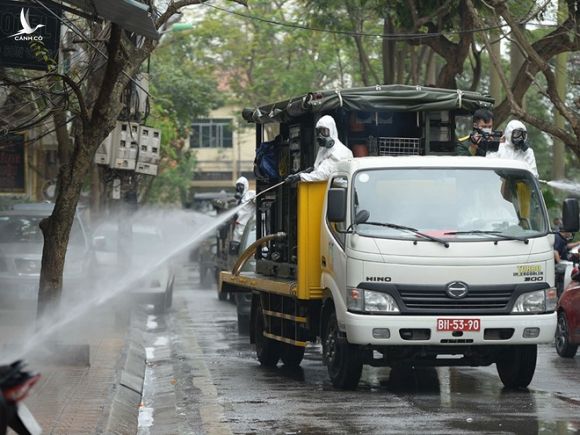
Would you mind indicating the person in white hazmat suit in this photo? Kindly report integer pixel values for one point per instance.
(330, 151)
(244, 196)
(515, 146)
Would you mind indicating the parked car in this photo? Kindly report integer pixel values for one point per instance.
(568, 329)
(118, 254)
(21, 243)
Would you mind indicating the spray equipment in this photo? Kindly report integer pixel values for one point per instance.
(275, 186)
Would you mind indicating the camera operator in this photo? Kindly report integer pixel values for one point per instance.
(482, 139)
(515, 146)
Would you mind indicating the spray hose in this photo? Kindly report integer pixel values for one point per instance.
(251, 250)
(280, 183)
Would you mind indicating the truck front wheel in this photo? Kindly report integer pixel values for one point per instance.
(341, 358)
(267, 350)
(516, 365)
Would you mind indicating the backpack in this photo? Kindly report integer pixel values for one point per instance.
(266, 162)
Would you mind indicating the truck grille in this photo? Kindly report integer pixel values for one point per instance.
(476, 300)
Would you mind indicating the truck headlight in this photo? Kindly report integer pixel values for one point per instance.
(370, 301)
(539, 301)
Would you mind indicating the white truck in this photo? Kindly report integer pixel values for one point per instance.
(412, 260)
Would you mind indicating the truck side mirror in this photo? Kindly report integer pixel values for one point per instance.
(570, 217)
(336, 206)
(361, 217)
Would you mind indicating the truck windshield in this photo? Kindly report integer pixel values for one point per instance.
(450, 204)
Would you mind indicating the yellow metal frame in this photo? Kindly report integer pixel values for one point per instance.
(285, 340)
(310, 201)
(307, 286)
(297, 319)
(252, 281)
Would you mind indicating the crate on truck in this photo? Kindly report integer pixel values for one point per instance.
(407, 255)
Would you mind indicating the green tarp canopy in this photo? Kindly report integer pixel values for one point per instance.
(386, 98)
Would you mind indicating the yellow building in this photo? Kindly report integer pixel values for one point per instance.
(224, 148)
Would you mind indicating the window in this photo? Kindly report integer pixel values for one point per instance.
(212, 133)
(477, 203)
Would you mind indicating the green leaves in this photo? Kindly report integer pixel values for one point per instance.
(41, 53)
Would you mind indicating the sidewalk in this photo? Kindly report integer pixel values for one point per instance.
(104, 397)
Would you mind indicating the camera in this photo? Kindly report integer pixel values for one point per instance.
(487, 141)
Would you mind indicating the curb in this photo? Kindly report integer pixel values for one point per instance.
(124, 412)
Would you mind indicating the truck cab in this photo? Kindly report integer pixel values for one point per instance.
(437, 261)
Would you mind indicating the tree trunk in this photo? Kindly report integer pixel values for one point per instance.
(517, 60)
(494, 80)
(561, 73)
(56, 230)
(389, 53)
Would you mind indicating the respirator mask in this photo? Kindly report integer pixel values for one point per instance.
(239, 191)
(519, 139)
(323, 137)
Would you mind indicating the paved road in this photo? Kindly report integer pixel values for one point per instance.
(202, 377)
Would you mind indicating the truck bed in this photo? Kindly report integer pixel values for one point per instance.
(249, 281)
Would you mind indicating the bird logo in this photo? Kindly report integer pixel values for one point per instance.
(25, 21)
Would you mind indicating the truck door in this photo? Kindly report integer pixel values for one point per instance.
(333, 243)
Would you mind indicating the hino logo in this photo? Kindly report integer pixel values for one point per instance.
(379, 278)
(457, 289)
(26, 28)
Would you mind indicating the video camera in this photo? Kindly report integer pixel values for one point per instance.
(487, 141)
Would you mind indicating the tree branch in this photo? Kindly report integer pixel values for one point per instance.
(175, 6)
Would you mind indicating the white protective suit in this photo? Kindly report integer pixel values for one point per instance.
(327, 158)
(507, 150)
(247, 211)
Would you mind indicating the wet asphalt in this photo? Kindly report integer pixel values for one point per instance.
(202, 377)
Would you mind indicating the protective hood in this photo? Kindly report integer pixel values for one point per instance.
(512, 125)
(244, 181)
(328, 122)
(337, 152)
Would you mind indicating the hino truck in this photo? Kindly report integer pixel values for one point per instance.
(407, 255)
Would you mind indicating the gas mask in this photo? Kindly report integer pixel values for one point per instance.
(239, 191)
(519, 141)
(323, 137)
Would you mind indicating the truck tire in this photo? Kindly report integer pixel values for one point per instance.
(516, 365)
(267, 350)
(292, 355)
(563, 346)
(342, 360)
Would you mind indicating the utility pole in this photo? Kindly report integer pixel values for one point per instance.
(559, 161)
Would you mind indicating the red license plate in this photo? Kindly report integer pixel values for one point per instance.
(465, 325)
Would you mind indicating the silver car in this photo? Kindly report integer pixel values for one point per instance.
(21, 243)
